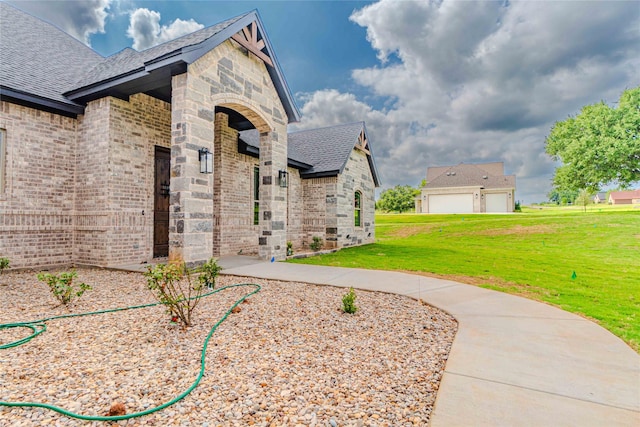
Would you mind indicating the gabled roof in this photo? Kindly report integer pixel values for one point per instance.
(317, 152)
(625, 195)
(61, 69)
(469, 175)
(38, 62)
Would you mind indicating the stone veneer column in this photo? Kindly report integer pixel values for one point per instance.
(191, 202)
(273, 198)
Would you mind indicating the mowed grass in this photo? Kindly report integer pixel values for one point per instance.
(533, 254)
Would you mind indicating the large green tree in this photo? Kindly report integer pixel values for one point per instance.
(397, 199)
(599, 146)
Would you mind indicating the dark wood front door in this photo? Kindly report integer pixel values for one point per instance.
(161, 202)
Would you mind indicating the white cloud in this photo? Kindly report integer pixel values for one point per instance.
(146, 31)
(84, 19)
(482, 81)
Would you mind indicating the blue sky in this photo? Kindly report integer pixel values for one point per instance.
(437, 82)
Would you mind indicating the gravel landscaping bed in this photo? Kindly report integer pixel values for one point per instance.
(289, 357)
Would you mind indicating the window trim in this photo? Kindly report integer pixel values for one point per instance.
(357, 208)
(256, 195)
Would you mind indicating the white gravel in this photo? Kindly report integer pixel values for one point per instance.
(290, 357)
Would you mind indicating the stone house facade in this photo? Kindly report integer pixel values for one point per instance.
(119, 160)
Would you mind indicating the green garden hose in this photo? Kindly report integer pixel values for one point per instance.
(39, 326)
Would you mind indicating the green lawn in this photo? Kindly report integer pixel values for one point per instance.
(533, 254)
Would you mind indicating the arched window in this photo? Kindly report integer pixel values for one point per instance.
(357, 209)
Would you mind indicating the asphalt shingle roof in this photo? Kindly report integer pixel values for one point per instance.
(128, 60)
(26, 42)
(468, 175)
(326, 149)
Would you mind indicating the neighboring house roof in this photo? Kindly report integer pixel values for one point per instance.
(317, 152)
(80, 74)
(470, 175)
(625, 195)
(38, 62)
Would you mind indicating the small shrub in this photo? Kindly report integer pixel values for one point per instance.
(208, 273)
(62, 286)
(517, 207)
(4, 264)
(316, 244)
(289, 248)
(349, 302)
(173, 286)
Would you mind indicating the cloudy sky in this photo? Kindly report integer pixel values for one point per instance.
(437, 82)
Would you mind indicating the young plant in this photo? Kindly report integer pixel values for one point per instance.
(316, 244)
(289, 248)
(173, 286)
(4, 264)
(208, 273)
(62, 285)
(349, 302)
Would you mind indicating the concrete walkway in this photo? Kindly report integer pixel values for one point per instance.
(514, 362)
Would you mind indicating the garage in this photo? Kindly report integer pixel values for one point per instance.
(496, 202)
(451, 203)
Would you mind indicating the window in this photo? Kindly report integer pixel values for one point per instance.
(357, 211)
(3, 149)
(256, 195)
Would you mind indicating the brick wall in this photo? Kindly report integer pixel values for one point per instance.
(115, 179)
(36, 205)
(233, 229)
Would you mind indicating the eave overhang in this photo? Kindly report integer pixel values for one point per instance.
(33, 101)
(156, 74)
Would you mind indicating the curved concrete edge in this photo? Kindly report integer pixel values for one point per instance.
(514, 361)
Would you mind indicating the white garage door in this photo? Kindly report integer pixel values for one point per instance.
(450, 203)
(496, 202)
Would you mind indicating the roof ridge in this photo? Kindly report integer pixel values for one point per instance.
(235, 18)
(327, 127)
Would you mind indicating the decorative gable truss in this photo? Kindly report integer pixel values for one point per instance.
(251, 39)
(363, 143)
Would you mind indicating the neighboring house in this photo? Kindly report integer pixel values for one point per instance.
(624, 197)
(467, 188)
(180, 150)
(600, 197)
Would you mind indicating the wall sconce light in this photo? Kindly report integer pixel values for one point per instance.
(509, 195)
(283, 178)
(206, 160)
(482, 197)
(476, 195)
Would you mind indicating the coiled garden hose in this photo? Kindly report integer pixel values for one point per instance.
(39, 326)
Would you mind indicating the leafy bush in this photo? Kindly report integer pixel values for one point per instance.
(4, 263)
(173, 286)
(517, 207)
(316, 244)
(62, 286)
(349, 302)
(208, 273)
(289, 248)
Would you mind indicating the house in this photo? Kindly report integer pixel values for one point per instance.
(624, 197)
(600, 197)
(177, 151)
(467, 188)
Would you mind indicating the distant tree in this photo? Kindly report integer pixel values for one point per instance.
(397, 199)
(585, 197)
(562, 197)
(599, 146)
